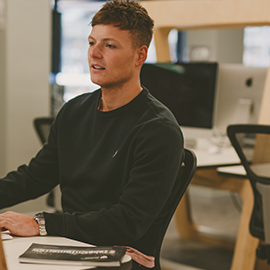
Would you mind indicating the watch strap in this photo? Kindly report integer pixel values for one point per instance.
(39, 218)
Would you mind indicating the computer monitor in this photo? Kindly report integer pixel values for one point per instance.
(239, 95)
(188, 90)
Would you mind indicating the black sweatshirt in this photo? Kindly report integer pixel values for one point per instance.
(116, 170)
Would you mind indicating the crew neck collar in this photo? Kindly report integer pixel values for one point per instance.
(123, 108)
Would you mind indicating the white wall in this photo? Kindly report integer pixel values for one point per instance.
(25, 44)
(225, 45)
(2, 103)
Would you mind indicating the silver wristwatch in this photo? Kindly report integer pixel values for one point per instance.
(39, 218)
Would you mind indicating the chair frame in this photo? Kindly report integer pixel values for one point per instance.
(259, 222)
(38, 123)
(232, 130)
(185, 175)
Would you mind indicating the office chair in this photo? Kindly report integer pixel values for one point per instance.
(252, 144)
(183, 179)
(42, 126)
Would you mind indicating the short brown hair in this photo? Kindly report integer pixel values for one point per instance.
(127, 15)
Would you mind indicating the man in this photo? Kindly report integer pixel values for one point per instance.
(115, 152)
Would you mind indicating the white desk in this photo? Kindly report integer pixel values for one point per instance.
(15, 247)
(239, 170)
(206, 158)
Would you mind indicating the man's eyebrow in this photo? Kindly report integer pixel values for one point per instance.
(104, 39)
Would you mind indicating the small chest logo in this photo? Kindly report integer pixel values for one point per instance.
(115, 153)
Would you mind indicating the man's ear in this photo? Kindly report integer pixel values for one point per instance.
(141, 55)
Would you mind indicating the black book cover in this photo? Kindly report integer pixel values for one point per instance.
(73, 255)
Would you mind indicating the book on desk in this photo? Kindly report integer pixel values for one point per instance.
(74, 255)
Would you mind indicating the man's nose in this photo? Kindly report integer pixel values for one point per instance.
(95, 52)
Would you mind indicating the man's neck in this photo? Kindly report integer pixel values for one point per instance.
(115, 98)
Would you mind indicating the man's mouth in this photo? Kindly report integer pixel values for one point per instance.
(98, 67)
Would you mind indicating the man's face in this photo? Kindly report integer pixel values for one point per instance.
(112, 57)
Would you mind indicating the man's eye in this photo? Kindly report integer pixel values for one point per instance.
(91, 43)
(110, 46)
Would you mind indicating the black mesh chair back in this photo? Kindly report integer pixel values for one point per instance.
(183, 179)
(252, 144)
(42, 126)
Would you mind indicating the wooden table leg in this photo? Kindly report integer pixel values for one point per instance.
(3, 265)
(184, 224)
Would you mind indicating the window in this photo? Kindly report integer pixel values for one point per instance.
(256, 46)
(76, 18)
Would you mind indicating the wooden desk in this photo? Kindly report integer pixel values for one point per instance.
(206, 175)
(15, 247)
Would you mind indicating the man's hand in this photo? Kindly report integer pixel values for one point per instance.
(19, 224)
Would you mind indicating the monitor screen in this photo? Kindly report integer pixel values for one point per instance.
(187, 89)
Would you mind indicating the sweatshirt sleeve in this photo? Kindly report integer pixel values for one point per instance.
(158, 151)
(32, 180)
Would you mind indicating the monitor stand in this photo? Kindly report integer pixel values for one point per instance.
(243, 111)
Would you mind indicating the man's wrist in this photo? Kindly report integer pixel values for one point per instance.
(39, 218)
